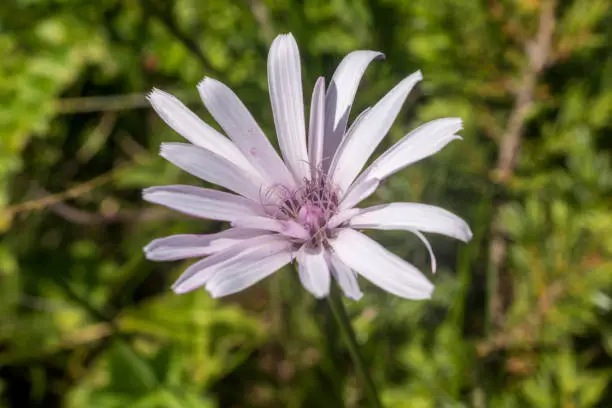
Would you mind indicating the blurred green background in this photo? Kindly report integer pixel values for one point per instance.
(521, 316)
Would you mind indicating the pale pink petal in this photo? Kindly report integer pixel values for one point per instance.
(213, 168)
(358, 119)
(422, 142)
(340, 97)
(346, 278)
(237, 267)
(249, 267)
(412, 216)
(432, 256)
(285, 84)
(202, 202)
(313, 271)
(358, 146)
(358, 193)
(316, 127)
(238, 123)
(384, 269)
(191, 127)
(289, 228)
(183, 246)
(341, 217)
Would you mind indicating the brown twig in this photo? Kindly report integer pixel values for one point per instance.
(55, 203)
(52, 199)
(83, 217)
(538, 53)
(262, 16)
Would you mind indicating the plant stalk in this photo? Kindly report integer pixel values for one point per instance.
(337, 307)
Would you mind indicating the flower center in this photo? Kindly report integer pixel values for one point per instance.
(311, 216)
(311, 206)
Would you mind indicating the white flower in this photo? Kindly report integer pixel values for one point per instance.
(302, 206)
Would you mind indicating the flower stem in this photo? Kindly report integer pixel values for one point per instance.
(337, 307)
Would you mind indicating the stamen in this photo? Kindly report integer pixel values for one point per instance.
(312, 205)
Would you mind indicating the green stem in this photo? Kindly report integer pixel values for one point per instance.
(339, 312)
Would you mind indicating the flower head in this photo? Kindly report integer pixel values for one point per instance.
(302, 206)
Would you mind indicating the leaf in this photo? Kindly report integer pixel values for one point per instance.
(129, 372)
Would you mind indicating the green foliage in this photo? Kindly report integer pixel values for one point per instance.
(86, 321)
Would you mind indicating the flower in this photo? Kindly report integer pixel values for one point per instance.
(303, 206)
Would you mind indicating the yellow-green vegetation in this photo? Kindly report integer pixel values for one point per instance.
(521, 316)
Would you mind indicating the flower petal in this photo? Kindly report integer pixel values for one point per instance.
(422, 142)
(237, 267)
(432, 256)
(340, 97)
(346, 278)
(183, 246)
(359, 145)
(229, 111)
(289, 228)
(386, 270)
(358, 192)
(285, 83)
(202, 202)
(191, 127)
(358, 119)
(213, 168)
(316, 127)
(313, 271)
(412, 216)
(341, 217)
(251, 266)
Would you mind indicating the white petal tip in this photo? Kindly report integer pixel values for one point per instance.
(151, 94)
(284, 37)
(206, 82)
(427, 292)
(426, 289)
(215, 293)
(166, 148)
(147, 193)
(156, 95)
(377, 55)
(179, 286)
(147, 248)
(465, 234)
(179, 290)
(150, 257)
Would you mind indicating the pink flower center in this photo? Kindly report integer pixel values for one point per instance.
(311, 217)
(311, 206)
